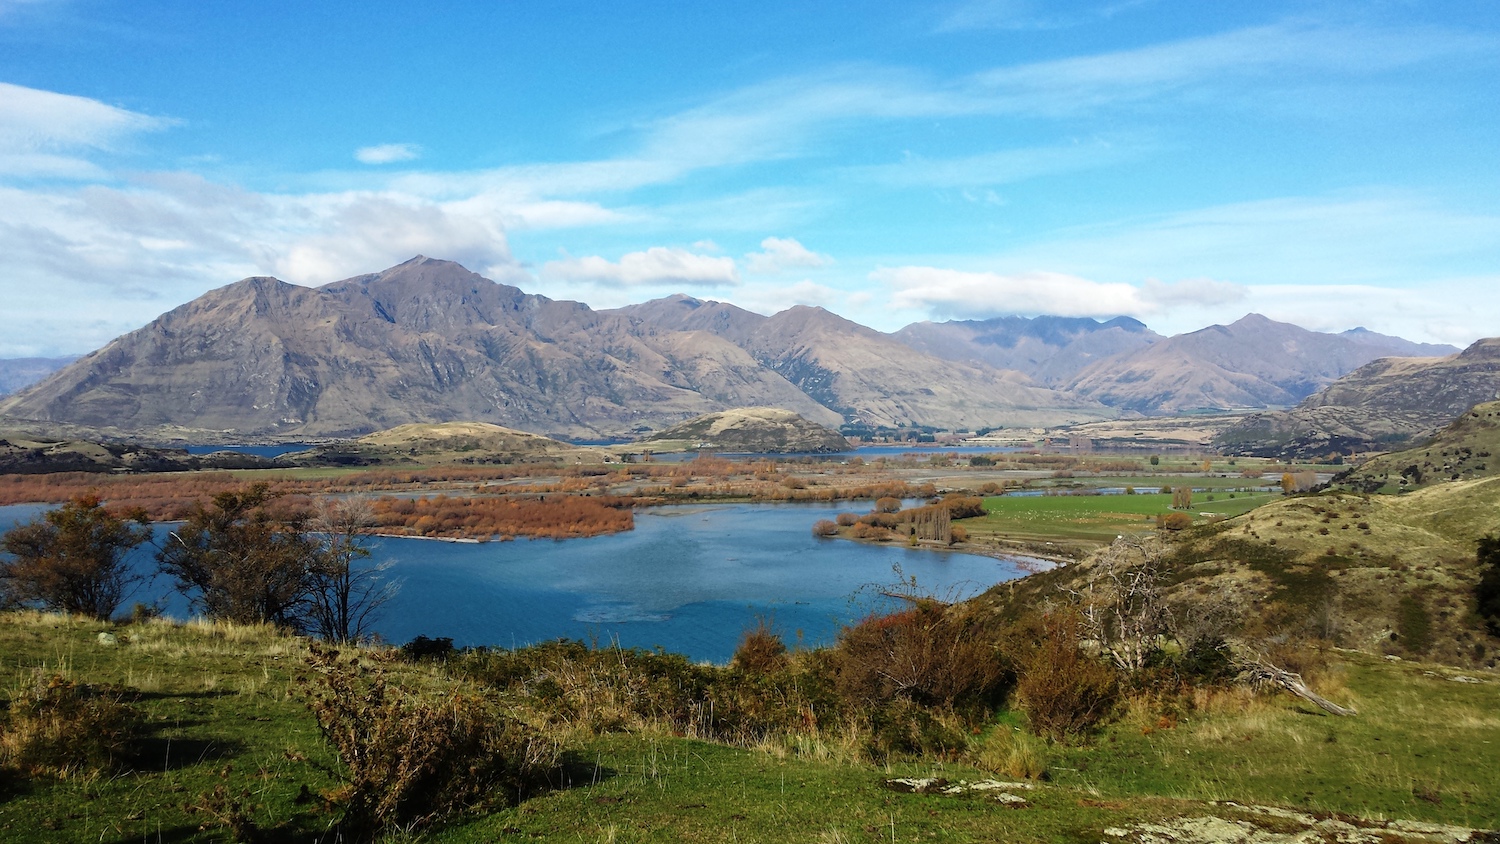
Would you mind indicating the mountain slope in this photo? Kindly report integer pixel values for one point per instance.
(1388, 403)
(1048, 349)
(425, 341)
(1251, 363)
(869, 377)
(1465, 450)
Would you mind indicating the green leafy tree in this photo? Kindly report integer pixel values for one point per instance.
(73, 559)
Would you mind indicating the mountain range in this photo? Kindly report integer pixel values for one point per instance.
(429, 341)
(1386, 404)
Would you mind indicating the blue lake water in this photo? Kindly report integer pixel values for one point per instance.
(688, 579)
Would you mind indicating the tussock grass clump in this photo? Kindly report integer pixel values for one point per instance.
(56, 727)
(1009, 752)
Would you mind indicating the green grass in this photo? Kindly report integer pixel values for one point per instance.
(1422, 747)
(1093, 518)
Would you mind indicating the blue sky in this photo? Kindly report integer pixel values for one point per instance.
(1328, 164)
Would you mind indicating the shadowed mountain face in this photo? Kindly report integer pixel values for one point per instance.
(1388, 403)
(429, 341)
(1050, 350)
(1253, 362)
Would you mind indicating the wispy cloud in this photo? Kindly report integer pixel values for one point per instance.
(999, 167)
(49, 135)
(387, 153)
(1288, 52)
(659, 265)
(783, 253)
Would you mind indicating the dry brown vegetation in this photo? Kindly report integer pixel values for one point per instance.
(549, 517)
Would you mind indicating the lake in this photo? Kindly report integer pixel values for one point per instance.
(688, 579)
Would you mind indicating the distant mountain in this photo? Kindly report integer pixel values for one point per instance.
(1386, 404)
(1254, 362)
(425, 341)
(757, 430)
(429, 341)
(870, 377)
(19, 373)
(1050, 350)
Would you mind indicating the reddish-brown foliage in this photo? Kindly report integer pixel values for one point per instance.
(551, 517)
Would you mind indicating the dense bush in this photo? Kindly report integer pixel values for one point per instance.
(72, 559)
(760, 650)
(1065, 692)
(410, 757)
(930, 654)
(59, 728)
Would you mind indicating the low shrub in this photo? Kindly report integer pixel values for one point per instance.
(902, 727)
(825, 527)
(760, 650)
(59, 728)
(929, 654)
(409, 757)
(1065, 692)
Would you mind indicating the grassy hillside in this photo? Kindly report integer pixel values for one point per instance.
(1381, 574)
(1464, 450)
(224, 724)
(447, 443)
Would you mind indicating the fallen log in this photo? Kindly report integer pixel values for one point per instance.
(1266, 674)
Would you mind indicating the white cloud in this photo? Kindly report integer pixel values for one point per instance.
(361, 233)
(1203, 292)
(946, 292)
(783, 253)
(766, 299)
(658, 265)
(388, 153)
(46, 134)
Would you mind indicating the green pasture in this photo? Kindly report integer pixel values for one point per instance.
(1094, 518)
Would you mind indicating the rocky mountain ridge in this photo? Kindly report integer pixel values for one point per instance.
(1387, 404)
(428, 341)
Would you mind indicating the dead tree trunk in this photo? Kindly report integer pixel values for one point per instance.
(1266, 674)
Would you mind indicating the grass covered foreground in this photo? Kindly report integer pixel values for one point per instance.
(225, 732)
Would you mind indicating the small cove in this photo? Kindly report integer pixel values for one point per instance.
(688, 579)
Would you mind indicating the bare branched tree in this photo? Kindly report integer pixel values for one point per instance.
(346, 595)
(1121, 604)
